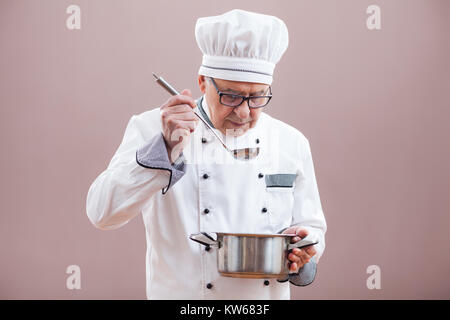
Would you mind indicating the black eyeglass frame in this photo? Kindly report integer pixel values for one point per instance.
(221, 94)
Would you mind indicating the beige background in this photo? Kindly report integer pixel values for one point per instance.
(374, 105)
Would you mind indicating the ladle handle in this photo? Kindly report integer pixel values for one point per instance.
(206, 123)
(163, 83)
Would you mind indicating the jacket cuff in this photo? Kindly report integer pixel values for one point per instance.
(153, 155)
(305, 275)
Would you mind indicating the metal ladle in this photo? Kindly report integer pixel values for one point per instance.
(240, 154)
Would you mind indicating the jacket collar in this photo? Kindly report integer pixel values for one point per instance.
(205, 114)
(242, 141)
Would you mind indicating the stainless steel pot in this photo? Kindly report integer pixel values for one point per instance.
(258, 256)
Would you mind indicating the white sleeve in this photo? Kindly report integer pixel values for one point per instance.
(307, 211)
(120, 192)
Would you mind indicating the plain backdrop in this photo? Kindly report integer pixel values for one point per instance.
(374, 105)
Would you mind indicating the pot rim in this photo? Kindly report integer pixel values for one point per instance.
(257, 235)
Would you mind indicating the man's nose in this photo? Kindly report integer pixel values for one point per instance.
(242, 111)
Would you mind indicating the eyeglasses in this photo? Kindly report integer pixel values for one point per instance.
(234, 100)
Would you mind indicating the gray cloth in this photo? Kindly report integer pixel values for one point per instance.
(153, 155)
(305, 274)
(280, 180)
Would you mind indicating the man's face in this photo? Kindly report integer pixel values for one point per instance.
(228, 120)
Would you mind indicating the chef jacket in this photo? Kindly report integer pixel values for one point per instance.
(207, 189)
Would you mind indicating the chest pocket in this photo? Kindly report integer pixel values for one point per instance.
(279, 194)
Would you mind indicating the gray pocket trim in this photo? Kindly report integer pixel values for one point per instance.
(280, 180)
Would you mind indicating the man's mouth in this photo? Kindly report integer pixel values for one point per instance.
(238, 124)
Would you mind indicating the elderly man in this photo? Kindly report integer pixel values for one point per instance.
(172, 169)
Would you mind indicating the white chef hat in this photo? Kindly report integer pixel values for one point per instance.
(241, 46)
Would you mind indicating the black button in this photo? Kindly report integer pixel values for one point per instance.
(257, 140)
(205, 176)
(266, 282)
(206, 211)
(208, 248)
(260, 175)
(209, 285)
(204, 140)
(264, 209)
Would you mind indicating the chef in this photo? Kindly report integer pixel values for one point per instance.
(171, 169)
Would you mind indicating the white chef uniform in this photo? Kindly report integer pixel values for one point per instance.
(206, 189)
(234, 193)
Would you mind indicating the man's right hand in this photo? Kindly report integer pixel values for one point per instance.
(178, 121)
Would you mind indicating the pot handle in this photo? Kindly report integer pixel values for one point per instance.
(204, 239)
(302, 243)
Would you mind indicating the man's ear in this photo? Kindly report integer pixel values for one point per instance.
(202, 83)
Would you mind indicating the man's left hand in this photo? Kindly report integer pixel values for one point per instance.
(299, 257)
